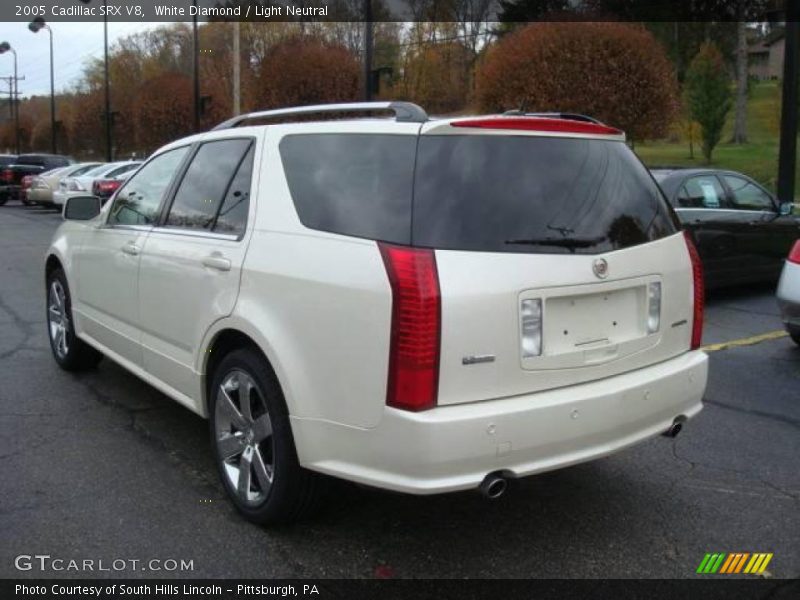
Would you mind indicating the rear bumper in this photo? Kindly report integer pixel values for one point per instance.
(10, 190)
(788, 295)
(454, 447)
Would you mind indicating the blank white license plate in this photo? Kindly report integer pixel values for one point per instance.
(588, 321)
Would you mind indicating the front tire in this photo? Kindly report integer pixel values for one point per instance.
(253, 444)
(71, 353)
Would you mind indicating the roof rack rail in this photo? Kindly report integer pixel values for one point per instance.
(405, 112)
(554, 115)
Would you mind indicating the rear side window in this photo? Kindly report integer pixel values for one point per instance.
(352, 184)
(205, 188)
(533, 194)
(120, 171)
(52, 162)
(31, 159)
(704, 191)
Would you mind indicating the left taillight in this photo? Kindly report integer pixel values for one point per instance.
(794, 254)
(698, 294)
(413, 381)
(7, 175)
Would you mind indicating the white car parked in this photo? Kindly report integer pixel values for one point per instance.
(82, 184)
(418, 305)
(789, 293)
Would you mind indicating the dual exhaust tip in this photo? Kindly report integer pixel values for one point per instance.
(495, 484)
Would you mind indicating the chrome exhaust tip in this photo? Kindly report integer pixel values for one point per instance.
(675, 428)
(493, 486)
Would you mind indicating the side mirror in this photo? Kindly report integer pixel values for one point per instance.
(81, 208)
(788, 208)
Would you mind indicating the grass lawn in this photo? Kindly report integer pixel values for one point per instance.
(758, 158)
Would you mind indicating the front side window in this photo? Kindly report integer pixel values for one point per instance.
(704, 191)
(747, 195)
(212, 184)
(139, 201)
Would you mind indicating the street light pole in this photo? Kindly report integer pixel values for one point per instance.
(368, 47)
(195, 73)
(787, 155)
(108, 131)
(6, 47)
(35, 26)
(109, 149)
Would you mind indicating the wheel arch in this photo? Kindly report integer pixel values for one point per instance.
(230, 335)
(52, 263)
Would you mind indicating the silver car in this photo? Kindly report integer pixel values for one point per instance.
(789, 293)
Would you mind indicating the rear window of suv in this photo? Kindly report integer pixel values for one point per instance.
(354, 184)
(490, 193)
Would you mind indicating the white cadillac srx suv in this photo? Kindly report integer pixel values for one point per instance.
(415, 304)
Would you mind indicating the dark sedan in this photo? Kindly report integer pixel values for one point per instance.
(743, 234)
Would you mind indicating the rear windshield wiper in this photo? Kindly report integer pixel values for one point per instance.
(570, 243)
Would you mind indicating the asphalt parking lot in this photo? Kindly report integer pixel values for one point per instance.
(101, 466)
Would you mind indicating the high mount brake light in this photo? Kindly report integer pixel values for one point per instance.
(538, 124)
(413, 382)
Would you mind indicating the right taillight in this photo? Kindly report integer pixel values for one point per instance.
(794, 254)
(413, 381)
(699, 292)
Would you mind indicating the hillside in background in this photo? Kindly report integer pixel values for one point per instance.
(758, 158)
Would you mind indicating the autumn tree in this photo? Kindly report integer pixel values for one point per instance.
(615, 72)
(163, 110)
(301, 71)
(708, 95)
(436, 78)
(86, 125)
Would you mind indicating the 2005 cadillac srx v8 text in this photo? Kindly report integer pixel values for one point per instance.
(415, 304)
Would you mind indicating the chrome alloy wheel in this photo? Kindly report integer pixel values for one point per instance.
(243, 434)
(58, 319)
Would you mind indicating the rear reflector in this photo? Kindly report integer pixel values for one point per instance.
(794, 255)
(699, 292)
(539, 124)
(416, 327)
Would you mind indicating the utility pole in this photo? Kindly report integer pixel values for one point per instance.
(16, 112)
(195, 72)
(10, 81)
(788, 145)
(237, 70)
(109, 124)
(368, 47)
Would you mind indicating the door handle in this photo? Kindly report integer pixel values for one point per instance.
(217, 262)
(131, 248)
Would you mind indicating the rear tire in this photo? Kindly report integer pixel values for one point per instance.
(795, 338)
(71, 353)
(3, 198)
(253, 445)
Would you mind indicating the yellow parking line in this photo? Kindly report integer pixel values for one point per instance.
(756, 339)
